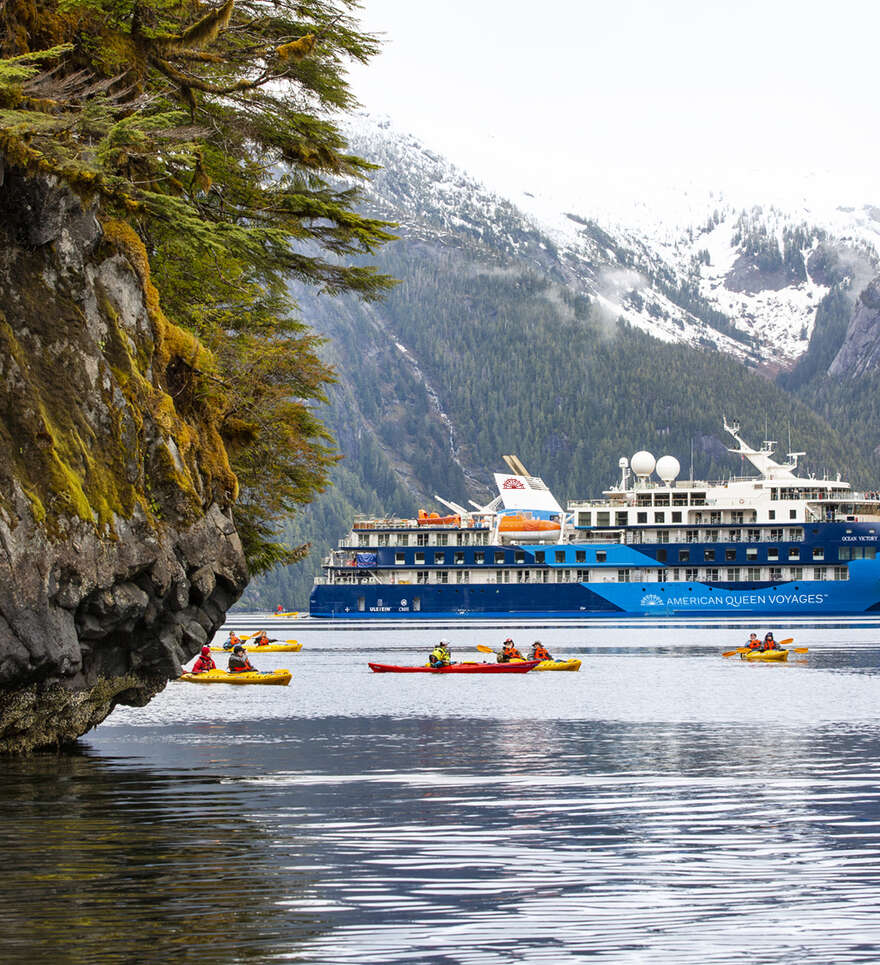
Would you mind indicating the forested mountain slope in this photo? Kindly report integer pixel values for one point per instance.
(497, 340)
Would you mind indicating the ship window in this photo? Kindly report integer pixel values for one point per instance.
(479, 557)
(601, 556)
(751, 552)
(684, 556)
(691, 574)
(560, 556)
(676, 517)
(623, 576)
(439, 558)
(522, 576)
(771, 514)
(399, 559)
(362, 604)
(545, 576)
(818, 552)
(459, 558)
(690, 536)
(772, 552)
(620, 519)
(715, 518)
(417, 604)
(539, 556)
(641, 517)
(797, 573)
(870, 552)
(794, 553)
(819, 572)
(661, 576)
(363, 539)
(442, 539)
(421, 539)
(519, 557)
(841, 573)
(844, 553)
(659, 517)
(422, 576)
(775, 572)
(442, 576)
(584, 519)
(420, 558)
(662, 535)
(661, 556)
(580, 556)
(792, 514)
(712, 574)
(583, 576)
(796, 534)
(708, 556)
(753, 535)
(499, 558)
(733, 574)
(462, 576)
(603, 519)
(775, 535)
(730, 554)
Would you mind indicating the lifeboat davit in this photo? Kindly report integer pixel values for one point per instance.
(517, 528)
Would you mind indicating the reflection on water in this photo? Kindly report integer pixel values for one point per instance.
(607, 831)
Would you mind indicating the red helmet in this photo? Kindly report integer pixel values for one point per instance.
(206, 651)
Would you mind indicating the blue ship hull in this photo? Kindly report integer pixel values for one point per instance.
(860, 594)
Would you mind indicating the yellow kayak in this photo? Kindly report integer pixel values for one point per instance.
(572, 664)
(278, 678)
(777, 655)
(293, 647)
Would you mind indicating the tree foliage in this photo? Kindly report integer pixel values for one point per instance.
(209, 128)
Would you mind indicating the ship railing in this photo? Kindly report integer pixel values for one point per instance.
(395, 522)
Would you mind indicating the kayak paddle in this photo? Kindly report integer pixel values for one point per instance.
(484, 649)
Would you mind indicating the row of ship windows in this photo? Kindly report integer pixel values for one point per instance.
(754, 534)
(711, 574)
(709, 555)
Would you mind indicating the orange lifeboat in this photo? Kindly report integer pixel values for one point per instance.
(435, 519)
(523, 527)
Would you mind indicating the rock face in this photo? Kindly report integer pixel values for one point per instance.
(118, 555)
(860, 352)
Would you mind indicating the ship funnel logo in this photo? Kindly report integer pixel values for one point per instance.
(651, 599)
(512, 483)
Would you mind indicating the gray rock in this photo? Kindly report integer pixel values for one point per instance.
(116, 563)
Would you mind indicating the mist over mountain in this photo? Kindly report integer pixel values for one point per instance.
(520, 328)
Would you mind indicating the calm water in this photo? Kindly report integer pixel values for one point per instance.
(662, 805)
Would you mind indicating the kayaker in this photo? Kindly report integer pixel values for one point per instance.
(262, 639)
(753, 643)
(238, 661)
(232, 642)
(204, 662)
(440, 656)
(509, 652)
(540, 652)
(769, 642)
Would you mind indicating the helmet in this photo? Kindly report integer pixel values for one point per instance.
(444, 642)
(238, 648)
(509, 640)
(537, 643)
(206, 651)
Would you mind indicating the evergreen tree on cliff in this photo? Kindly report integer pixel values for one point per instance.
(208, 128)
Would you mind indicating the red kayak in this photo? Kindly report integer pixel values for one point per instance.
(523, 667)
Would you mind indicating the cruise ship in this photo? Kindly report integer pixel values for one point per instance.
(769, 544)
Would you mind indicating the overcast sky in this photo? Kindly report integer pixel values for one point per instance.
(528, 94)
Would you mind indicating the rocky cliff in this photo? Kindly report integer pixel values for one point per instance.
(860, 352)
(118, 555)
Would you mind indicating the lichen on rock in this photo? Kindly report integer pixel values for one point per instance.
(118, 555)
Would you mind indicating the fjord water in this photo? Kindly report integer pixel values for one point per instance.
(662, 805)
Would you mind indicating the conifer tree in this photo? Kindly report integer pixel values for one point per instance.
(208, 127)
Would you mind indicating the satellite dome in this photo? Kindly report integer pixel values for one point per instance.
(668, 468)
(642, 464)
(623, 462)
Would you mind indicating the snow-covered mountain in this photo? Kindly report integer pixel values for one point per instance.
(706, 268)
